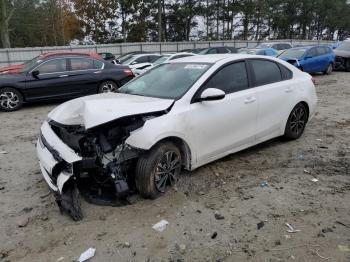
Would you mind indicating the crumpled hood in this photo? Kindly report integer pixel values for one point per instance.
(91, 111)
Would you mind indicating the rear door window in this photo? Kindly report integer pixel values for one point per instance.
(266, 72)
(78, 64)
(231, 78)
(53, 66)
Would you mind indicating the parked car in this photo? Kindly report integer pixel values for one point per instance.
(143, 67)
(17, 68)
(181, 114)
(342, 52)
(311, 59)
(259, 51)
(133, 60)
(120, 59)
(280, 47)
(108, 57)
(60, 76)
(218, 50)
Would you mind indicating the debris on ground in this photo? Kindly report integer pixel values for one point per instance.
(160, 226)
(214, 235)
(23, 222)
(3, 152)
(260, 225)
(127, 245)
(314, 180)
(307, 171)
(218, 216)
(89, 253)
(264, 184)
(291, 229)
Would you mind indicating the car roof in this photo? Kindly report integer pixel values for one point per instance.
(70, 53)
(214, 58)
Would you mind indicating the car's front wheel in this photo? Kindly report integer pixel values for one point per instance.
(296, 122)
(158, 170)
(10, 99)
(108, 87)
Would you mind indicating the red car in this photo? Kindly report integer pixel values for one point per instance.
(44, 56)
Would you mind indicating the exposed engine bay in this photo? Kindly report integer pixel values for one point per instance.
(105, 175)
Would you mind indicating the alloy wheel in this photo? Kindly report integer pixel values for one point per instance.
(109, 87)
(9, 100)
(298, 120)
(167, 170)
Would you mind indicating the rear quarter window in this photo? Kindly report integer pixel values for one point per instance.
(285, 72)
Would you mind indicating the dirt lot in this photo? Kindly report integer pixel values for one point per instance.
(32, 229)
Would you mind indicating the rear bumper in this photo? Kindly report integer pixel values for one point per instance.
(56, 159)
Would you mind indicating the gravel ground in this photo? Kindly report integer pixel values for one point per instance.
(220, 212)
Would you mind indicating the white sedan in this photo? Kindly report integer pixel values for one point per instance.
(181, 114)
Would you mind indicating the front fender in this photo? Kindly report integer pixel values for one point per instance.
(159, 128)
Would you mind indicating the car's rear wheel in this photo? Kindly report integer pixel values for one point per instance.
(10, 99)
(329, 70)
(108, 87)
(158, 170)
(296, 122)
(347, 65)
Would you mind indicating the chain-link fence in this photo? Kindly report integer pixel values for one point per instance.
(19, 55)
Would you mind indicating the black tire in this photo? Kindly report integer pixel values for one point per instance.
(296, 122)
(10, 99)
(347, 65)
(107, 87)
(329, 70)
(154, 174)
(70, 203)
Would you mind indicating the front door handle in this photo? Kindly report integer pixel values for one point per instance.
(98, 72)
(249, 100)
(63, 75)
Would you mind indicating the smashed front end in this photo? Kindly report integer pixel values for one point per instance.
(95, 163)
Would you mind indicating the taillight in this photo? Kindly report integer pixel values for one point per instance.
(128, 72)
(313, 80)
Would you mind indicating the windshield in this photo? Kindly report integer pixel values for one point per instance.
(345, 46)
(203, 51)
(161, 59)
(123, 58)
(169, 81)
(29, 64)
(128, 60)
(294, 53)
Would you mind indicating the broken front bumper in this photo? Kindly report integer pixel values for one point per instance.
(56, 159)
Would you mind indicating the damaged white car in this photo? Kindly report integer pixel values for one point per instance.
(181, 114)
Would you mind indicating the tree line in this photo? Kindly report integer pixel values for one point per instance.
(62, 22)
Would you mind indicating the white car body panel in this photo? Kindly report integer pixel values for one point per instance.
(210, 129)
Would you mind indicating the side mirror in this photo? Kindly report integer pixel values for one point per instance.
(133, 63)
(308, 57)
(212, 94)
(36, 74)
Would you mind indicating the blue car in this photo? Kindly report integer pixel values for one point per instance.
(311, 59)
(259, 51)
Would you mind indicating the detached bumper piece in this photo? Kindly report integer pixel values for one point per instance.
(56, 164)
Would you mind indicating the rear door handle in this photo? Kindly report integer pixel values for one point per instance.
(63, 75)
(289, 89)
(249, 100)
(98, 72)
